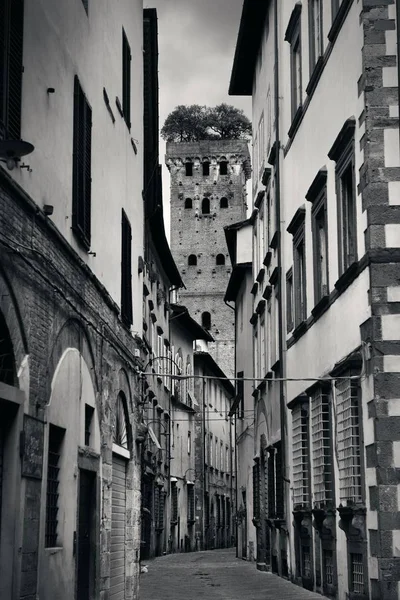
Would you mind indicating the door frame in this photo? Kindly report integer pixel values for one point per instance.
(89, 463)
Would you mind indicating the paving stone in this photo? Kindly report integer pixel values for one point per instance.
(214, 575)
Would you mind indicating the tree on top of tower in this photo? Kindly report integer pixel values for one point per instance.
(194, 123)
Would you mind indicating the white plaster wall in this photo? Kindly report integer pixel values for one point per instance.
(60, 40)
(71, 389)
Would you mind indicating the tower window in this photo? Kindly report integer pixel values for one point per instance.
(205, 206)
(220, 260)
(206, 168)
(223, 167)
(188, 203)
(206, 320)
(192, 260)
(223, 203)
(189, 168)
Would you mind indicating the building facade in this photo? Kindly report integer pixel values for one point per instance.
(325, 318)
(71, 232)
(208, 181)
(215, 481)
(239, 238)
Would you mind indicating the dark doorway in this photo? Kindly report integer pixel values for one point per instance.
(85, 537)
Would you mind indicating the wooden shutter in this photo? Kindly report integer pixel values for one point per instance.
(118, 527)
(82, 181)
(15, 69)
(126, 79)
(126, 272)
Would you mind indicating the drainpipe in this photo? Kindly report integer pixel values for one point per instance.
(203, 442)
(281, 338)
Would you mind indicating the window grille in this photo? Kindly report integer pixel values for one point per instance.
(306, 568)
(174, 503)
(348, 440)
(256, 490)
(190, 507)
(82, 170)
(357, 573)
(321, 448)
(56, 435)
(327, 557)
(279, 497)
(301, 492)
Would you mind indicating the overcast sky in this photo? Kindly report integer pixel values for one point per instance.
(196, 40)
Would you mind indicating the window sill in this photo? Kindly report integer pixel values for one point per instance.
(54, 549)
(315, 76)
(339, 20)
(321, 306)
(347, 277)
(296, 121)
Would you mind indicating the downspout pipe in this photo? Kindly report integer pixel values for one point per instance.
(281, 337)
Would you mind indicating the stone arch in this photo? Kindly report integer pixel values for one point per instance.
(72, 335)
(13, 325)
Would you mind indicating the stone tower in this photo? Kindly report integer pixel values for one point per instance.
(208, 192)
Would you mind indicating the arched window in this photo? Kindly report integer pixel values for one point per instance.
(120, 430)
(205, 206)
(206, 320)
(223, 203)
(223, 167)
(192, 260)
(206, 168)
(188, 203)
(220, 260)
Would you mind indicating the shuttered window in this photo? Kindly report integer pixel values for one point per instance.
(271, 483)
(256, 490)
(81, 170)
(126, 79)
(174, 503)
(11, 41)
(56, 435)
(126, 272)
(321, 448)
(279, 493)
(301, 488)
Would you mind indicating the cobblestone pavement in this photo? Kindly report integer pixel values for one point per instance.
(214, 575)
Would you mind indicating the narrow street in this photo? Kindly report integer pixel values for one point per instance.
(214, 575)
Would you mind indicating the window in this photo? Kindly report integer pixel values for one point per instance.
(357, 573)
(348, 440)
(126, 271)
(271, 483)
(120, 429)
(223, 167)
(188, 203)
(315, 20)
(205, 206)
(256, 490)
(321, 448)
(342, 152)
(261, 147)
(159, 507)
(320, 247)
(126, 79)
(300, 448)
(220, 260)
(297, 229)
(174, 503)
(11, 42)
(279, 489)
(240, 392)
(192, 260)
(190, 504)
(89, 412)
(206, 320)
(189, 442)
(188, 168)
(206, 168)
(56, 436)
(223, 203)
(293, 36)
(289, 300)
(81, 169)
